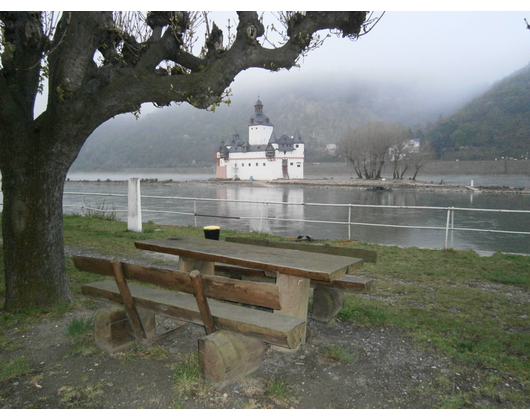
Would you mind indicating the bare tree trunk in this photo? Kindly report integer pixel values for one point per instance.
(395, 174)
(416, 172)
(402, 174)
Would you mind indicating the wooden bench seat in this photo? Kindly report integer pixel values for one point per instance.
(238, 315)
(271, 328)
(169, 301)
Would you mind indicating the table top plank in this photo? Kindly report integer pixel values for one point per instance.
(291, 262)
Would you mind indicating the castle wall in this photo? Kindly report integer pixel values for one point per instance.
(254, 165)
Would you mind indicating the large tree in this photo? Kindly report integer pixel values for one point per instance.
(98, 65)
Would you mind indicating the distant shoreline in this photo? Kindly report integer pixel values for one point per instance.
(384, 185)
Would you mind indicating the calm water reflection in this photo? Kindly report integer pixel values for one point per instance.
(272, 217)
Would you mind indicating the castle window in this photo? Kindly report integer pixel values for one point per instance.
(257, 163)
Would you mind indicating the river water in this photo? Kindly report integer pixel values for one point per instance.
(303, 218)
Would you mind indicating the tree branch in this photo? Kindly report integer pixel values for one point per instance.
(218, 70)
(24, 44)
(121, 87)
(72, 62)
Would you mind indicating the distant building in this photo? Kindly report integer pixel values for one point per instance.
(410, 147)
(331, 149)
(263, 157)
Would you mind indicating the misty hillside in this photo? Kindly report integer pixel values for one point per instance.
(181, 135)
(494, 125)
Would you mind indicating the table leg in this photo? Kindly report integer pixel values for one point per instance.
(189, 264)
(294, 296)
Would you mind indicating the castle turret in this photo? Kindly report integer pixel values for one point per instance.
(260, 127)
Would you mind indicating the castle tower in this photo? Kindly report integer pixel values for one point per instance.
(259, 128)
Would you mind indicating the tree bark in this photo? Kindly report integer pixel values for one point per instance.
(33, 235)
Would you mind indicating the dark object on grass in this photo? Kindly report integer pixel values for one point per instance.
(304, 238)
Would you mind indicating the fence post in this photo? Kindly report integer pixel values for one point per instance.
(349, 222)
(447, 224)
(134, 219)
(452, 225)
(261, 216)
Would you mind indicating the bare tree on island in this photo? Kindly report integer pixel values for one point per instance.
(368, 147)
(141, 60)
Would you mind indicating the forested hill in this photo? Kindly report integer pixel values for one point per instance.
(494, 125)
(184, 136)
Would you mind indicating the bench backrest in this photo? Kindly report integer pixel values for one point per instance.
(366, 255)
(265, 295)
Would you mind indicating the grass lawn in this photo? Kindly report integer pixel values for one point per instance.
(474, 310)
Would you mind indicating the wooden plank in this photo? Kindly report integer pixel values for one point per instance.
(128, 301)
(278, 329)
(365, 254)
(202, 303)
(286, 261)
(247, 292)
(350, 284)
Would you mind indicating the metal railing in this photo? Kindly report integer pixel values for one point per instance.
(449, 227)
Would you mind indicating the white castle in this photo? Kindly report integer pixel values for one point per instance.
(263, 157)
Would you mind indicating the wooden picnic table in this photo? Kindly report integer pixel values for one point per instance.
(293, 269)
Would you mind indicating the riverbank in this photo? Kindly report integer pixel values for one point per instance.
(381, 185)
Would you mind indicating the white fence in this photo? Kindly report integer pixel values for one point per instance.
(135, 210)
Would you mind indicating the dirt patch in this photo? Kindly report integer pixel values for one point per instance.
(385, 370)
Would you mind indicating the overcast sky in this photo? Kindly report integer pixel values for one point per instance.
(444, 50)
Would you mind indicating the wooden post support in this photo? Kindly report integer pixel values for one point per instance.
(189, 264)
(202, 303)
(128, 301)
(294, 294)
(113, 330)
(225, 357)
(327, 303)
